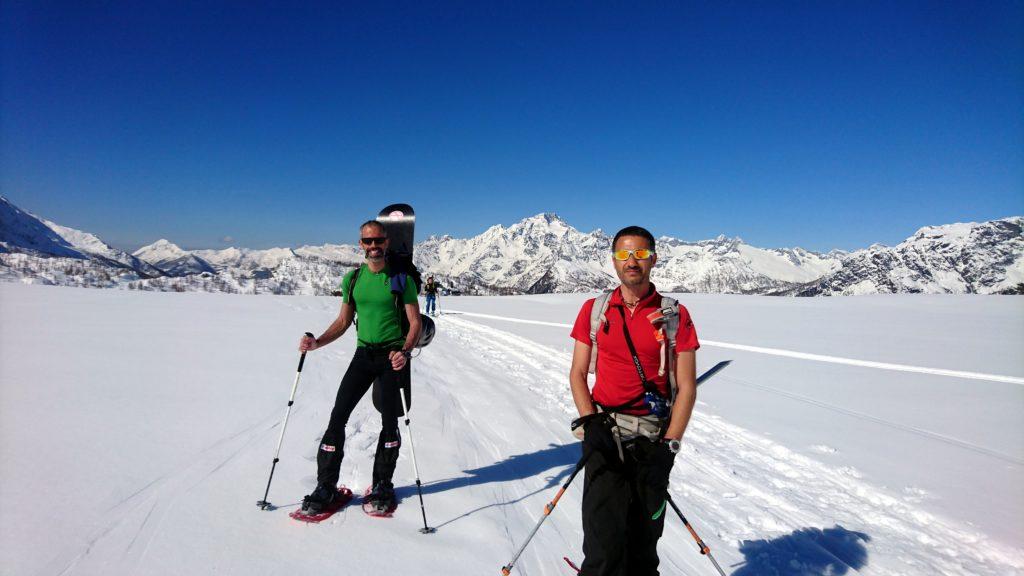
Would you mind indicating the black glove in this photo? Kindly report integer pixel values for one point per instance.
(652, 476)
(597, 435)
(657, 465)
(663, 457)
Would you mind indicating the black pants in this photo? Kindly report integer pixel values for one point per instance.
(367, 365)
(624, 505)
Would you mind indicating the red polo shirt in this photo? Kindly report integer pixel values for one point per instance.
(617, 379)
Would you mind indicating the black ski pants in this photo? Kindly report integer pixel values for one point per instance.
(367, 365)
(624, 504)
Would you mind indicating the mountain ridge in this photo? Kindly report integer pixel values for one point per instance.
(539, 254)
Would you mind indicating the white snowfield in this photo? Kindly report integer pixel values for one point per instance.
(792, 354)
(137, 430)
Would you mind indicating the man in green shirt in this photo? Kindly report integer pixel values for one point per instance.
(388, 329)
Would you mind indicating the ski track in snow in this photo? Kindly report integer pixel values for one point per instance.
(137, 517)
(794, 354)
(737, 486)
(132, 523)
(895, 425)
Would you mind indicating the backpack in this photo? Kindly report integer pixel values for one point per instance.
(668, 318)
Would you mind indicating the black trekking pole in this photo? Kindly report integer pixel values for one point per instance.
(507, 568)
(700, 543)
(412, 446)
(263, 504)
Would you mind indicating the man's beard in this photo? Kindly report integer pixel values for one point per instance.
(371, 256)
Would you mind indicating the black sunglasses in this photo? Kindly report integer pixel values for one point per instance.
(376, 240)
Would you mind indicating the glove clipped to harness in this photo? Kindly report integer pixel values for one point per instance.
(598, 435)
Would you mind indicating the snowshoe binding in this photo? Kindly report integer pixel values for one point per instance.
(380, 500)
(322, 503)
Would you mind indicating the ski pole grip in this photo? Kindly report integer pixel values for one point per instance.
(302, 358)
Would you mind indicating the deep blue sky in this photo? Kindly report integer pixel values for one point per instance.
(816, 124)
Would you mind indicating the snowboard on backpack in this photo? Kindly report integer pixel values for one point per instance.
(345, 496)
(399, 222)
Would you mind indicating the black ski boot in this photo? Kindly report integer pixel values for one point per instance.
(322, 498)
(380, 500)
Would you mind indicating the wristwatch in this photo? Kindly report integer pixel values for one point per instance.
(407, 354)
(673, 445)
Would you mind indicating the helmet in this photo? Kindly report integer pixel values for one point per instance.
(426, 331)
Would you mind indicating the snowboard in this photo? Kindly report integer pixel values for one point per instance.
(346, 497)
(399, 222)
(370, 510)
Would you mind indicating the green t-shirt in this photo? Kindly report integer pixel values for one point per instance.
(379, 323)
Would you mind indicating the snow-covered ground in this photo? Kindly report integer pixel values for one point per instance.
(137, 431)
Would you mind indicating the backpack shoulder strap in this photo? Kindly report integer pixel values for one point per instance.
(671, 327)
(597, 318)
(351, 293)
(352, 286)
(399, 280)
(672, 323)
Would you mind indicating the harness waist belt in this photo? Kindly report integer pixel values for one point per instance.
(630, 427)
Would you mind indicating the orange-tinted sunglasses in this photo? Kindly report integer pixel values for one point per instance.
(640, 254)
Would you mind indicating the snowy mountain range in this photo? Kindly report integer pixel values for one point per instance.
(540, 254)
(970, 258)
(544, 254)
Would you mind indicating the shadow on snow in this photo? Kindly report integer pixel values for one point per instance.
(806, 552)
(516, 467)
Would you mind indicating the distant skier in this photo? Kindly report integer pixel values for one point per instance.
(430, 289)
(631, 426)
(383, 350)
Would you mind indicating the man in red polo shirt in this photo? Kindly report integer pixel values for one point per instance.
(631, 426)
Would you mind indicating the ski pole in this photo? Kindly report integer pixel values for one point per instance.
(263, 504)
(412, 446)
(700, 543)
(507, 569)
